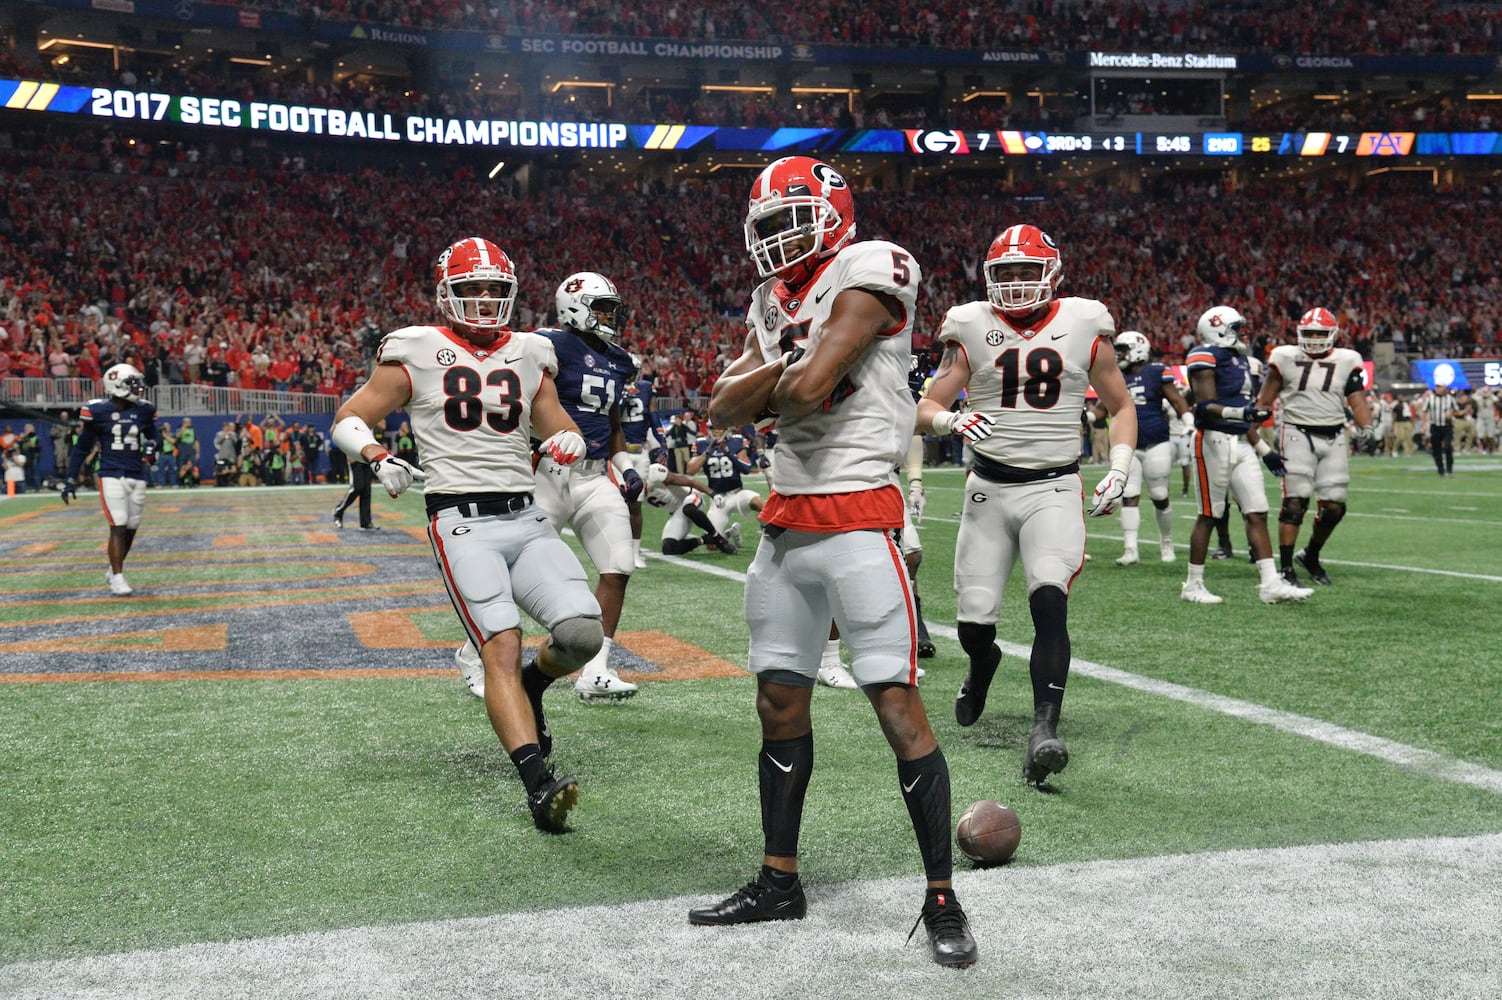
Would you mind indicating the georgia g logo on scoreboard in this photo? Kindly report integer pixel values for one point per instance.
(936, 141)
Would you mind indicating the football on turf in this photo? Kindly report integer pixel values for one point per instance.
(988, 832)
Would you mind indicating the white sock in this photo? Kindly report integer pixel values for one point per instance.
(1164, 518)
(600, 660)
(1267, 570)
(636, 549)
(831, 653)
(1196, 573)
(1131, 521)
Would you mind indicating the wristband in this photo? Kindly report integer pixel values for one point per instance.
(1262, 448)
(1121, 458)
(943, 422)
(620, 462)
(353, 436)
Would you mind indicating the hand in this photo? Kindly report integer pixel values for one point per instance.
(1188, 427)
(631, 485)
(1365, 440)
(148, 452)
(1253, 415)
(1108, 494)
(395, 474)
(719, 501)
(915, 502)
(975, 426)
(565, 447)
(1275, 464)
(69, 491)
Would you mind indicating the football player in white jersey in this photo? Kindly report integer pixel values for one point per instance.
(827, 356)
(1024, 358)
(477, 391)
(1315, 381)
(687, 502)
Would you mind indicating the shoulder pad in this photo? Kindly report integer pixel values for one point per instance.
(879, 266)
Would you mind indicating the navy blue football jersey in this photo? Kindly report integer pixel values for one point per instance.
(636, 410)
(1146, 388)
(1233, 382)
(722, 465)
(121, 432)
(591, 385)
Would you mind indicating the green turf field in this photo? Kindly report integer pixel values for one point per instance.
(239, 803)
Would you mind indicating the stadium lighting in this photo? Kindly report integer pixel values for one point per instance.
(986, 93)
(495, 170)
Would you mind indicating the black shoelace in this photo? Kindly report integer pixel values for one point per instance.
(943, 921)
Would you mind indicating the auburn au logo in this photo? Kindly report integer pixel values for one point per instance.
(574, 285)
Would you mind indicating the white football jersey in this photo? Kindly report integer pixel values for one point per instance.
(659, 492)
(1314, 389)
(471, 408)
(1031, 380)
(853, 445)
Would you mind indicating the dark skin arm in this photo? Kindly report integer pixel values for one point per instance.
(855, 321)
(740, 395)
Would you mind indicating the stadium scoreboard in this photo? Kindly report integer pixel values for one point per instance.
(225, 114)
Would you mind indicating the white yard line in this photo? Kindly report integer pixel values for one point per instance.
(1386, 920)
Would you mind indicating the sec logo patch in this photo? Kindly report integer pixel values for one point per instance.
(447, 357)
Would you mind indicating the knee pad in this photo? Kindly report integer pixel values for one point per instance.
(976, 639)
(1292, 511)
(1330, 512)
(1050, 608)
(574, 641)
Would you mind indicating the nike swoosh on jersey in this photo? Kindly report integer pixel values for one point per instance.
(784, 768)
(820, 297)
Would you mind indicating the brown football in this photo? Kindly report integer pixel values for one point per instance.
(988, 832)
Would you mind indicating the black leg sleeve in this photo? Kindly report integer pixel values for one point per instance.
(784, 767)
(925, 790)
(1049, 665)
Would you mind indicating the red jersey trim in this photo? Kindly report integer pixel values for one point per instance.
(1036, 328)
(503, 336)
(830, 513)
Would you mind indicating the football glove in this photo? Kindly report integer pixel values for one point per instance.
(1275, 464)
(69, 491)
(565, 447)
(1365, 440)
(631, 485)
(916, 501)
(1108, 493)
(974, 426)
(395, 474)
(148, 452)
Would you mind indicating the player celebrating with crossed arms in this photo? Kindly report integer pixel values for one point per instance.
(477, 391)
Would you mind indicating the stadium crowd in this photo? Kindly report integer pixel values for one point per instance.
(1396, 26)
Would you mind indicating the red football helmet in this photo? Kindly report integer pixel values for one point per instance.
(1022, 245)
(461, 275)
(1317, 331)
(801, 211)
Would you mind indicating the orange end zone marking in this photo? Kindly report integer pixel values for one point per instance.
(231, 541)
(222, 675)
(37, 549)
(192, 639)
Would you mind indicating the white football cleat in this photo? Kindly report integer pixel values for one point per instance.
(920, 674)
(835, 675)
(471, 668)
(734, 533)
(641, 563)
(1280, 591)
(1128, 558)
(1166, 552)
(1195, 592)
(604, 685)
(118, 586)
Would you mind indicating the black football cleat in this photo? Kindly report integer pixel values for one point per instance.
(551, 803)
(755, 901)
(971, 700)
(949, 939)
(338, 519)
(1291, 578)
(1311, 565)
(1220, 552)
(1046, 753)
(926, 649)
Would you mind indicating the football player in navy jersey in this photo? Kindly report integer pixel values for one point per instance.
(124, 426)
(1150, 385)
(593, 494)
(636, 421)
(1226, 449)
(724, 459)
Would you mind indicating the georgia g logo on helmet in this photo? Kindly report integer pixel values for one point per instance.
(828, 176)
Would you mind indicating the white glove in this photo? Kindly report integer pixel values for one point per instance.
(565, 447)
(974, 426)
(1108, 494)
(916, 501)
(719, 501)
(395, 474)
(1188, 427)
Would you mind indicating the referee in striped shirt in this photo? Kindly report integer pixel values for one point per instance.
(1440, 409)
